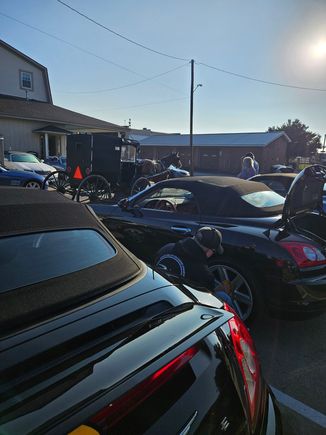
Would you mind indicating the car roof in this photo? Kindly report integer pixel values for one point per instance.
(275, 175)
(222, 196)
(27, 211)
(16, 152)
(216, 182)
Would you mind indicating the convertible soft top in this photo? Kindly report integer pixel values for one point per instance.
(222, 196)
(26, 211)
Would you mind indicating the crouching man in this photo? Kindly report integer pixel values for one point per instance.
(189, 257)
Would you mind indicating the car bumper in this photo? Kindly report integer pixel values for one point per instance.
(299, 295)
(272, 423)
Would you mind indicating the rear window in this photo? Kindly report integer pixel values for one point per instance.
(263, 199)
(33, 258)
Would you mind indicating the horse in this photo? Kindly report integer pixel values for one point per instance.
(152, 171)
(151, 167)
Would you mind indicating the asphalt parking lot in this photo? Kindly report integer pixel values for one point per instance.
(293, 358)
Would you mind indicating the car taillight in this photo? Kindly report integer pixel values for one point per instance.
(115, 411)
(304, 254)
(247, 359)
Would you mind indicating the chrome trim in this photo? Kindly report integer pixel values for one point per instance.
(187, 428)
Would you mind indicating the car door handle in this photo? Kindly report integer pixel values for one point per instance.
(181, 230)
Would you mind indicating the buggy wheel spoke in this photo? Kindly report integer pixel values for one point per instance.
(93, 188)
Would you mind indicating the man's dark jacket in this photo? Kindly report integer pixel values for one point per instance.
(187, 259)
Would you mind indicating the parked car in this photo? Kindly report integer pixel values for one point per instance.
(58, 162)
(279, 182)
(93, 341)
(30, 180)
(26, 162)
(282, 169)
(274, 256)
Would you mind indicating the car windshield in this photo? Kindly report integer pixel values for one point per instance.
(32, 258)
(263, 199)
(26, 158)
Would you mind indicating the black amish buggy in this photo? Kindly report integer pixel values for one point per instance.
(101, 166)
(98, 166)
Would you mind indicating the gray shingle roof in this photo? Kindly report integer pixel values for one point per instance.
(217, 139)
(35, 110)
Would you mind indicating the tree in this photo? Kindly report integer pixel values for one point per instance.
(303, 142)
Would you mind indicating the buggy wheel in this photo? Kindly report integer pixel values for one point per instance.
(59, 181)
(139, 185)
(94, 188)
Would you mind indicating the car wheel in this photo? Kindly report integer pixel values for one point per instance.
(242, 289)
(32, 184)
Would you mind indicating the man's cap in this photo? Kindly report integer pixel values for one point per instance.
(210, 238)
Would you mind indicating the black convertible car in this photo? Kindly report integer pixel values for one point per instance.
(92, 341)
(274, 255)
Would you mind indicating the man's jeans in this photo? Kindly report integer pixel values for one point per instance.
(223, 296)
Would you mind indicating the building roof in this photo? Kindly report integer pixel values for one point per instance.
(216, 139)
(51, 129)
(33, 62)
(40, 111)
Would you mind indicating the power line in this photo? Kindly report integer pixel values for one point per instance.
(90, 53)
(124, 86)
(266, 82)
(150, 104)
(71, 45)
(119, 34)
(243, 76)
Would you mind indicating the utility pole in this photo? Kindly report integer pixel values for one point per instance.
(191, 118)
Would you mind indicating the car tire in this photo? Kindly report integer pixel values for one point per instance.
(245, 290)
(33, 184)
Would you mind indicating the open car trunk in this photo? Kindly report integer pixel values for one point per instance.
(313, 225)
(303, 206)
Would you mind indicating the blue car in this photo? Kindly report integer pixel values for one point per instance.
(31, 180)
(58, 162)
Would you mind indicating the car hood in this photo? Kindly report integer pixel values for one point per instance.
(306, 192)
(24, 174)
(33, 167)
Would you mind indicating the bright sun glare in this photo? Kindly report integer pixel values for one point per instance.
(319, 50)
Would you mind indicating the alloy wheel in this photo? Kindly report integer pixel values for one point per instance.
(33, 185)
(237, 287)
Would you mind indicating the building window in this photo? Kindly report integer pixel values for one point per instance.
(26, 80)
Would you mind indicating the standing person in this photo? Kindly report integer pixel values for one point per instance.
(247, 169)
(188, 258)
(256, 164)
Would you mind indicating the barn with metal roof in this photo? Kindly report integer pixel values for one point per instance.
(220, 152)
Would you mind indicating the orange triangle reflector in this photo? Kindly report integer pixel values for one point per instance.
(78, 175)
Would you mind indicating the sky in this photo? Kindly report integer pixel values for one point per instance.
(144, 74)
